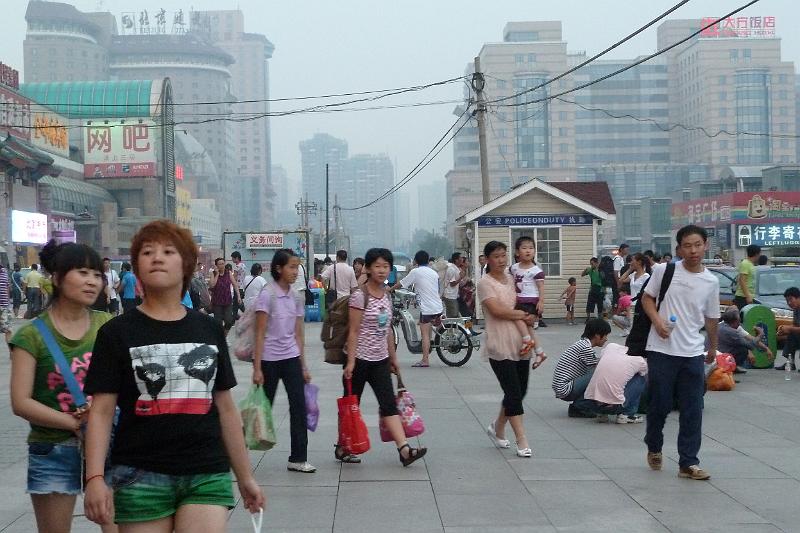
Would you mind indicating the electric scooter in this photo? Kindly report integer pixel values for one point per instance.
(451, 338)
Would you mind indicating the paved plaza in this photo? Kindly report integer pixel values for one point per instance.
(583, 477)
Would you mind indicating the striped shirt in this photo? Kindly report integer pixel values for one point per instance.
(375, 323)
(573, 363)
(5, 302)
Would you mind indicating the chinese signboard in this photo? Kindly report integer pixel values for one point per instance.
(27, 227)
(534, 220)
(49, 131)
(296, 241)
(264, 240)
(119, 149)
(15, 114)
(143, 24)
(754, 207)
(738, 27)
(9, 76)
(769, 234)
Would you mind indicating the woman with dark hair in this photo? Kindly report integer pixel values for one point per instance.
(39, 393)
(497, 294)
(168, 370)
(371, 356)
(253, 283)
(637, 274)
(279, 346)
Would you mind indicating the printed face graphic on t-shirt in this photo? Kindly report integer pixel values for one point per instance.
(174, 378)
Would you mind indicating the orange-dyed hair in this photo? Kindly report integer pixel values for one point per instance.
(166, 232)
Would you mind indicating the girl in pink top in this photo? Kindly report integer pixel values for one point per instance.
(371, 357)
(498, 296)
(279, 350)
(529, 283)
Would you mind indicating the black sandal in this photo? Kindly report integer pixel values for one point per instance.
(413, 454)
(344, 457)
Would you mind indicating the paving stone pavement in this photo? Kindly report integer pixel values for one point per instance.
(583, 477)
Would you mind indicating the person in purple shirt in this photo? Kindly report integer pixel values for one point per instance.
(279, 342)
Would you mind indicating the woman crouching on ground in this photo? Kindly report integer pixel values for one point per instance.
(497, 294)
(179, 433)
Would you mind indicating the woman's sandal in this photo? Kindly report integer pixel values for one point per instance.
(540, 358)
(344, 457)
(413, 454)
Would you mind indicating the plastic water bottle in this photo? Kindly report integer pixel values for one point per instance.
(673, 321)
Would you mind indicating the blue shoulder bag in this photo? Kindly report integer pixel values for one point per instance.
(58, 356)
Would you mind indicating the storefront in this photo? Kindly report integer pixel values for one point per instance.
(563, 219)
(770, 219)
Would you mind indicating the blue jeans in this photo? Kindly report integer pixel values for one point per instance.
(54, 468)
(633, 393)
(683, 376)
(579, 386)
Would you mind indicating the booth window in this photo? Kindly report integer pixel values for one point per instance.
(548, 247)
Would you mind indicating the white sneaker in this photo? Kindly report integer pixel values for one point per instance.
(305, 467)
(625, 419)
(500, 443)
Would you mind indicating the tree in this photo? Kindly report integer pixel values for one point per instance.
(433, 243)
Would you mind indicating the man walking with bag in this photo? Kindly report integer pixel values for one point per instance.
(675, 347)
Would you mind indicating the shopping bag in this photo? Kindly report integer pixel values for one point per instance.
(259, 431)
(413, 425)
(311, 392)
(720, 380)
(353, 434)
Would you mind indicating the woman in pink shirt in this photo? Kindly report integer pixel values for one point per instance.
(279, 341)
(498, 296)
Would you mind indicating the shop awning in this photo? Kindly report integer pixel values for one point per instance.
(17, 154)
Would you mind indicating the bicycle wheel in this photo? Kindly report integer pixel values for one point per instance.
(453, 344)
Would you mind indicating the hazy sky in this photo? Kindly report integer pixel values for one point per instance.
(323, 47)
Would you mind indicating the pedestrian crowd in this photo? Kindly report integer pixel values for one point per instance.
(134, 409)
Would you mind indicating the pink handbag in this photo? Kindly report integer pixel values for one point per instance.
(413, 425)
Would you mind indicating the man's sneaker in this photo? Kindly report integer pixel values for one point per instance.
(625, 419)
(574, 412)
(694, 472)
(305, 467)
(654, 460)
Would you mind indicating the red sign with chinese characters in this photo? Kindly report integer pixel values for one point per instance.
(264, 240)
(738, 207)
(119, 149)
(179, 172)
(738, 27)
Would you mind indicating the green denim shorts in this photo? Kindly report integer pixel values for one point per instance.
(142, 496)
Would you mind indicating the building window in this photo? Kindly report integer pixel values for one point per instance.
(748, 55)
(548, 247)
(563, 148)
(531, 58)
(723, 111)
(723, 80)
(501, 84)
(562, 115)
(782, 78)
(734, 56)
(519, 59)
(723, 95)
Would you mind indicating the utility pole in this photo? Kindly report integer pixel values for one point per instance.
(478, 84)
(305, 208)
(327, 212)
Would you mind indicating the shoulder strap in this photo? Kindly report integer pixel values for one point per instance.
(251, 281)
(665, 282)
(335, 281)
(58, 356)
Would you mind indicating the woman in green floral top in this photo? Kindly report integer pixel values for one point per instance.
(38, 392)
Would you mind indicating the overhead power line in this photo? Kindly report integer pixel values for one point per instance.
(598, 55)
(440, 145)
(620, 71)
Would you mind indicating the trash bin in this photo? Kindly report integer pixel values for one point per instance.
(316, 311)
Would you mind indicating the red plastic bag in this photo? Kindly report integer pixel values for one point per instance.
(726, 362)
(353, 434)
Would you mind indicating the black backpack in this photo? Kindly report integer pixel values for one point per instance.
(606, 269)
(640, 329)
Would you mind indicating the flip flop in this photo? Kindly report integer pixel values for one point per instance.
(540, 358)
(420, 364)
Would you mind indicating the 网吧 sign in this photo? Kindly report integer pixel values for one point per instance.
(119, 149)
(769, 234)
(27, 227)
(534, 220)
(264, 240)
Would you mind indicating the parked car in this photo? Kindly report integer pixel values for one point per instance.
(771, 283)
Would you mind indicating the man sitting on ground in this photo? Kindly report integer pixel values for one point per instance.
(576, 365)
(616, 386)
(733, 339)
(792, 333)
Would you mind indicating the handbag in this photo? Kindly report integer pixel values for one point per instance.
(307, 292)
(259, 430)
(413, 426)
(78, 398)
(353, 434)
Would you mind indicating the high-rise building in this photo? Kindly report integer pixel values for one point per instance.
(364, 178)
(286, 196)
(732, 81)
(251, 139)
(430, 203)
(322, 149)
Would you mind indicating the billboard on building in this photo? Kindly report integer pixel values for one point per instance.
(757, 208)
(49, 131)
(28, 227)
(15, 113)
(119, 149)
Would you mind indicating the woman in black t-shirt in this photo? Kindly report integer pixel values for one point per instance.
(179, 433)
